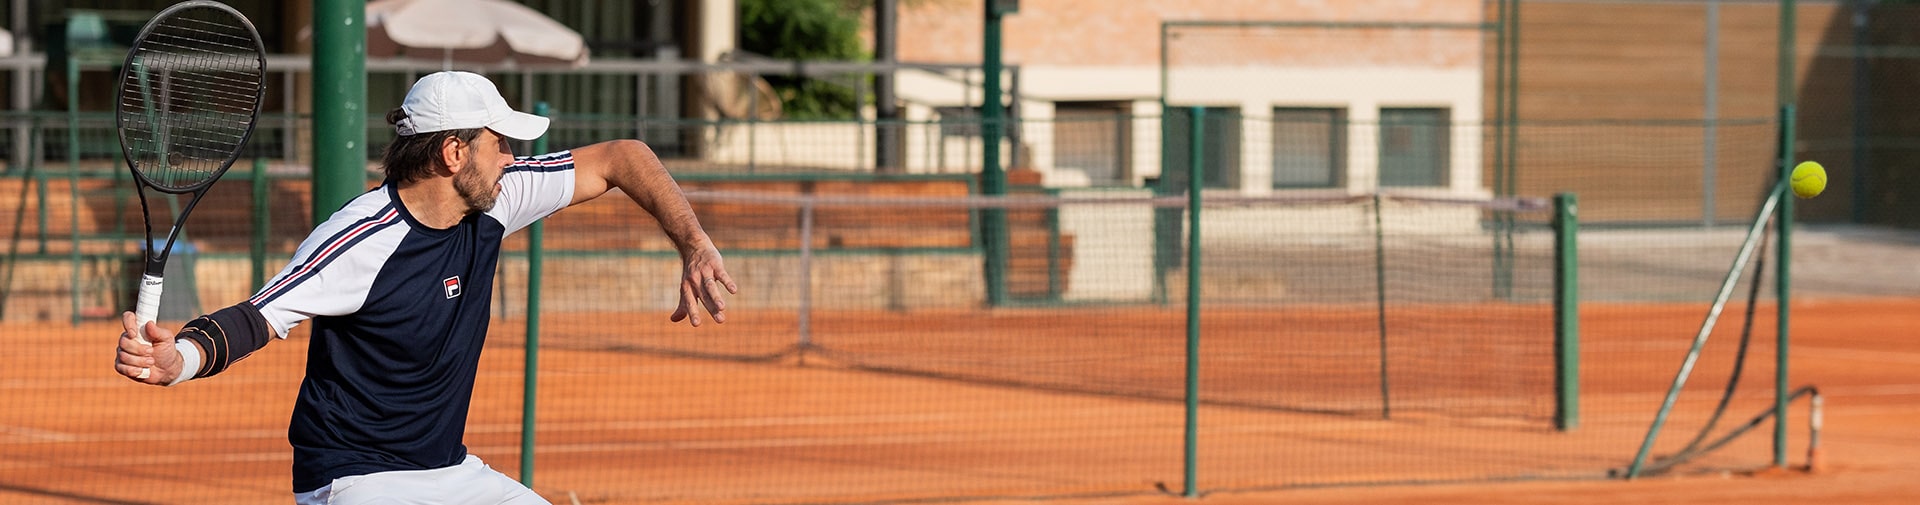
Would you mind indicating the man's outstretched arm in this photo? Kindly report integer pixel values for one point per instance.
(632, 167)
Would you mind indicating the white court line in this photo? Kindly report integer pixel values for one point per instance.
(1842, 353)
(782, 421)
(22, 434)
(35, 434)
(1871, 390)
(667, 445)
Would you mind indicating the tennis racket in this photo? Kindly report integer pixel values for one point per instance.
(188, 97)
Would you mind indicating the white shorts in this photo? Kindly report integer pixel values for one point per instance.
(471, 481)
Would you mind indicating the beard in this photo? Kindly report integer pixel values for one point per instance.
(476, 191)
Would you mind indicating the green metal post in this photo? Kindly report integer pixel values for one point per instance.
(1513, 103)
(339, 104)
(1782, 279)
(1380, 303)
(1566, 312)
(39, 183)
(1161, 261)
(1513, 139)
(261, 221)
(1501, 127)
(73, 185)
(993, 179)
(1507, 180)
(1055, 277)
(1196, 156)
(536, 256)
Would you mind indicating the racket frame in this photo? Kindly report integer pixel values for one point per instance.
(148, 302)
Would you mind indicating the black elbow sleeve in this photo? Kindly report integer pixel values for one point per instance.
(228, 336)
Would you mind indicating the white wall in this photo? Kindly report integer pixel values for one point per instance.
(1361, 91)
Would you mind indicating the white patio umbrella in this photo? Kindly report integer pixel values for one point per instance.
(475, 31)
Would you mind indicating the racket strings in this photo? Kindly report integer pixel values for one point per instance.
(191, 97)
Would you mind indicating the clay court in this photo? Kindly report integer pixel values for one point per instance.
(640, 423)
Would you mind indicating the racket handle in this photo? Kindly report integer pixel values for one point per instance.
(148, 305)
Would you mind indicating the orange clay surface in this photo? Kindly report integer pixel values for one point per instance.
(663, 427)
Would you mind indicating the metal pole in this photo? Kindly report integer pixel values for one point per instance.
(886, 127)
(339, 104)
(22, 86)
(1380, 303)
(1566, 312)
(753, 116)
(1709, 171)
(1513, 103)
(1499, 136)
(261, 221)
(1196, 157)
(1862, 103)
(993, 179)
(1783, 278)
(1161, 245)
(806, 275)
(530, 373)
(73, 183)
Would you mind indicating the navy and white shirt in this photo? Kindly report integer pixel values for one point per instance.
(399, 314)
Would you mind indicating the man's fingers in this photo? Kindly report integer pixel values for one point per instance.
(685, 309)
(135, 347)
(714, 304)
(150, 333)
(137, 332)
(132, 372)
(133, 355)
(128, 327)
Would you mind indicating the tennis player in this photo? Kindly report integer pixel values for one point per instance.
(398, 284)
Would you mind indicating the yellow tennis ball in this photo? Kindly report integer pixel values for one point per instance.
(1809, 179)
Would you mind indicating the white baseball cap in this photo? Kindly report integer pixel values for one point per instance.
(460, 100)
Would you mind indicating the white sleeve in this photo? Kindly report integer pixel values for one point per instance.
(532, 188)
(332, 270)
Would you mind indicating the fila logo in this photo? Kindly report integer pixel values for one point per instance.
(453, 286)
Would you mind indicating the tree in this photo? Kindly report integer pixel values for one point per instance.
(806, 30)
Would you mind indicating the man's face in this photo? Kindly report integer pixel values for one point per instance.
(478, 181)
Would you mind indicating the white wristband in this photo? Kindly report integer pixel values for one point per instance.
(189, 360)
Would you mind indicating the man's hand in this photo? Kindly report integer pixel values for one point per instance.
(703, 276)
(147, 355)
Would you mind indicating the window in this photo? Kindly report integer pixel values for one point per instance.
(1309, 147)
(1413, 147)
(959, 121)
(1221, 147)
(1092, 138)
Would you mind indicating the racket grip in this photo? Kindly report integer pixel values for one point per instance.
(148, 305)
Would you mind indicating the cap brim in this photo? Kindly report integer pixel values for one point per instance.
(520, 125)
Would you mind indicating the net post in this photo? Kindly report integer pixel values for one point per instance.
(1782, 268)
(1566, 312)
(261, 220)
(1380, 303)
(806, 277)
(1196, 154)
(530, 374)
